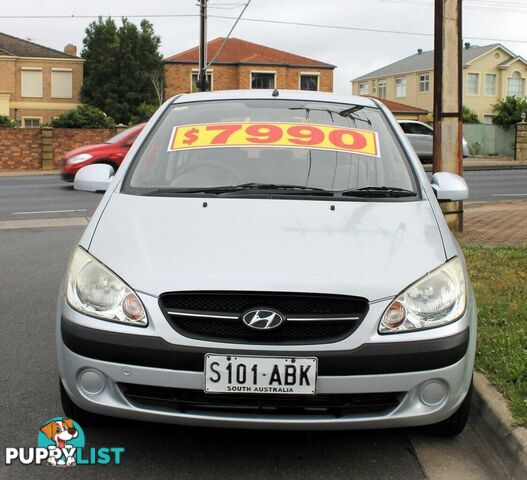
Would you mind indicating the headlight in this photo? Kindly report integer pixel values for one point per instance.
(93, 289)
(82, 157)
(436, 299)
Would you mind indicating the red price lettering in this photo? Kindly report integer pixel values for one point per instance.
(225, 132)
(339, 138)
(263, 133)
(305, 135)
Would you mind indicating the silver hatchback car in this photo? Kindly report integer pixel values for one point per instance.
(269, 259)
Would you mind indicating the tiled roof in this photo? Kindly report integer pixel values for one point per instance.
(238, 51)
(423, 61)
(396, 107)
(18, 47)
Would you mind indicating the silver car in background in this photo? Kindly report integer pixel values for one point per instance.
(421, 136)
(269, 259)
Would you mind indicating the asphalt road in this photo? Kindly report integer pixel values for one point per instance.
(47, 196)
(32, 262)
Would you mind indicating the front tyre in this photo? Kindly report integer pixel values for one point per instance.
(454, 424)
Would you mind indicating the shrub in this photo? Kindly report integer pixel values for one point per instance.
(6, 122)
(509, 111)
(144, 112)
(470, 116)
(84, 116)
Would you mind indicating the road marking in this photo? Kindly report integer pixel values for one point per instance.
(43, 223)
(43, 212)
(508, 194)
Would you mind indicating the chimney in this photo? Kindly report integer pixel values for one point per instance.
(70, 49)
(419, 51)
(467, 45)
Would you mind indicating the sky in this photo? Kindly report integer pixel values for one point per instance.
(353, 52)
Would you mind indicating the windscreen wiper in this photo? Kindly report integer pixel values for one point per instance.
(346, 113)
(244, 187)
(378, 192)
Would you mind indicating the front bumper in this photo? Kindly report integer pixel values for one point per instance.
(94, 364)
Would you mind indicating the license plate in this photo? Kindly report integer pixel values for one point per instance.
(242, 374)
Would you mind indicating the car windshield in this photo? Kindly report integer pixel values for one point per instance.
(121, 135)
(273, 144)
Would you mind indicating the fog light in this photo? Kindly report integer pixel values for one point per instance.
(433, 392)
(92, 382)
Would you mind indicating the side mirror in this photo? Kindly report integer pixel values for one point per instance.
(93, 178)
(449, 187)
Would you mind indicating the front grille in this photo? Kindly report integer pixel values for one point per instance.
(310, 318)
(188, 401)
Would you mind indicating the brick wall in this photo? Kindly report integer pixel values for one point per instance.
(20, 149)
(42, 148)
(233, 77)
(66, 139)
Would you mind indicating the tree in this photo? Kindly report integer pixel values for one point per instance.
(84, 116)
(6, 122)
(119, 68)
(101, 49)
(509, 111)
(470, 116)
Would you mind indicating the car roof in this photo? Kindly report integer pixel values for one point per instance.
(261, 94)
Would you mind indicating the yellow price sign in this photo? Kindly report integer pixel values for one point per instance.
(265, 134)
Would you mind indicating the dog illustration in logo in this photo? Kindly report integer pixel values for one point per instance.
(60, 432)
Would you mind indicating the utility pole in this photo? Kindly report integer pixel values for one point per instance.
(202, 76)
(448, 99)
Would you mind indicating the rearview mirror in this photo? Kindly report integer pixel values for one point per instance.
(93, 178)
(449, 187)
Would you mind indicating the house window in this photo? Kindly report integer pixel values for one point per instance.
(363, 88)
(61, 83)
(31, 79)
(382, 88)
(400, 87)
(262, 80)
(473, 84)
(29, 122)
(374, 87)
(194, 82)
(490, 84)
(515, 85)
(309, 81)
(424, 82)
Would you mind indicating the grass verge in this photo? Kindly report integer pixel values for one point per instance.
(499, 276)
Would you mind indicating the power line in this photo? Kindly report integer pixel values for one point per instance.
(492, 5)
(229, 34)
(363, 29)
(267, 21)
(73, 16)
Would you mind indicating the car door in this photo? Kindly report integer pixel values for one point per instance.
(422, 139)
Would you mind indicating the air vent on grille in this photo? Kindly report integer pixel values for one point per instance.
(335, 405)
(310, 318)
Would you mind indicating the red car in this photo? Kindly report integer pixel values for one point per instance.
(112, 152)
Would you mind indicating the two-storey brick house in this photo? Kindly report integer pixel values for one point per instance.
(37, 83)
(245, 65)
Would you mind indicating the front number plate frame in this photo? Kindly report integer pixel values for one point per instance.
(245, 374)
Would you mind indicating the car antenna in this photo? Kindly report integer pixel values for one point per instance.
(276, 93)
